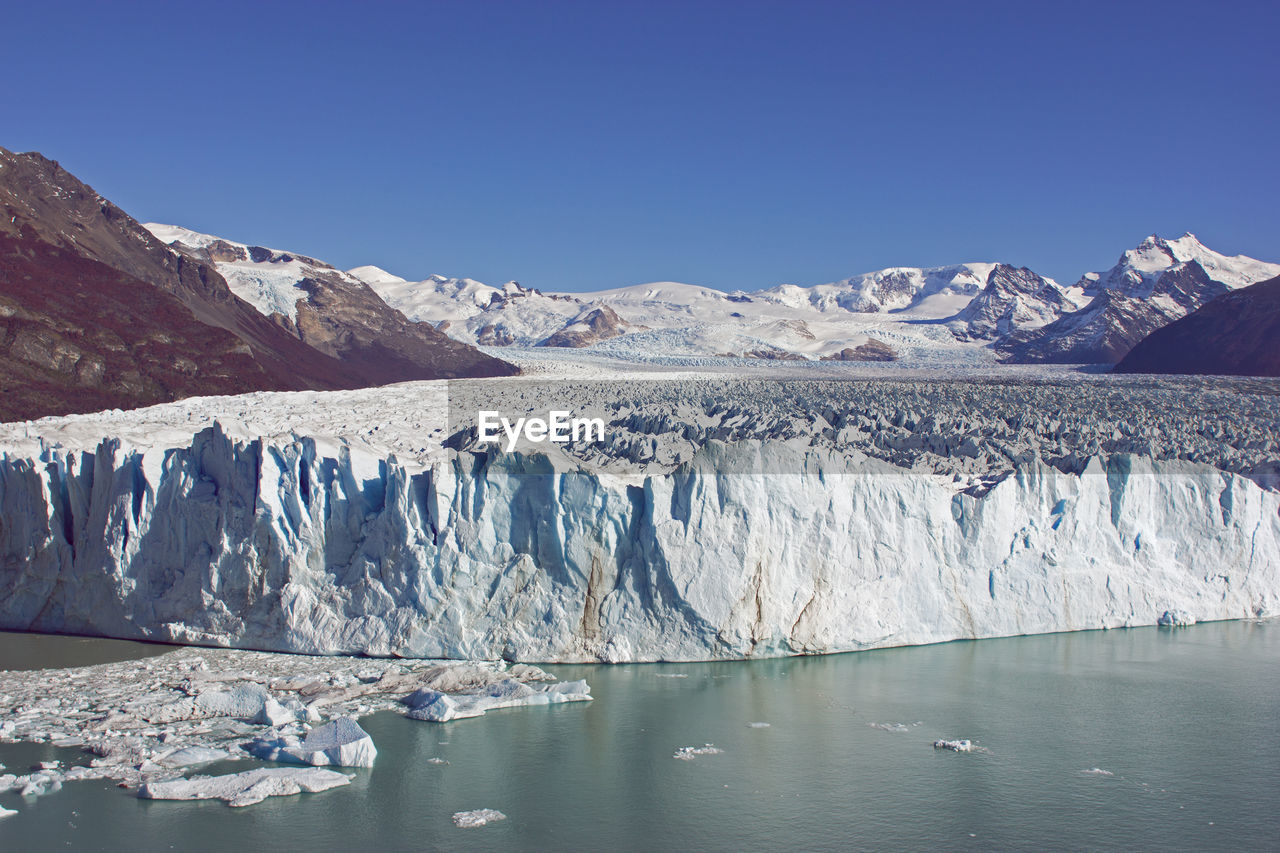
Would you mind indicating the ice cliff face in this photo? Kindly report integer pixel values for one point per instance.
(747, 549)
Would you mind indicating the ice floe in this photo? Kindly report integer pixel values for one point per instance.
(688, 753)
(247, 788)
(896, 728)
(341, 743)
(191, 756)
(478, 817)
(954, 745)
(150, 720)
(438, 707)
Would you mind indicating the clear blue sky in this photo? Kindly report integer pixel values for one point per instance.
(732, 144)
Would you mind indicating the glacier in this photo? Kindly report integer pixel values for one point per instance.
(749, 548)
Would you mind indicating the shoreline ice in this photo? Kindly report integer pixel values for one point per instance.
(155, 719)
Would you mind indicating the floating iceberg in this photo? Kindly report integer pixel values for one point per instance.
(247, 788)
(688, 753)
(438, 707)
(341, 743)
(954, 745)
(479, 817)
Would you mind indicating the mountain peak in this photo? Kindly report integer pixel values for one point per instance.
(371, 274)
(1138, 269)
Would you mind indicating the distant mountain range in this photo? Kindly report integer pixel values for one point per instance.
(958, 314)
(95, 312)
(963, 314)
(98, 311)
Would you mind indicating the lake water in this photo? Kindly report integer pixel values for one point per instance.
(1186, 720)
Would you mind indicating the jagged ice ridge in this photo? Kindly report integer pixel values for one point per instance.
(811, 537)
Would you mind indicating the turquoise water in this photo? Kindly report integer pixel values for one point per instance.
(1186, 720)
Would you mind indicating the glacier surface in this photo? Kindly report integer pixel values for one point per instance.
(758, 546)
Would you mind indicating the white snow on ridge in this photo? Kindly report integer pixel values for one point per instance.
(434, 300)
(683, 319)
(1137, 270)
(906, 308)
(177, 234)
(268, 279)
(370, 274)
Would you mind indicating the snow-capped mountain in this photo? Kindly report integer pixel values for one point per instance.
(1146, 291)
(671, 318)
(332, 311)
(960, 314)
(1013, 300)
(1138, 270)
(897, 288)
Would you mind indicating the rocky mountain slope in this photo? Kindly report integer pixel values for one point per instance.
(1236, 335)
(1116, 319)
(95, 311)
(334, 312)
(1012, 301)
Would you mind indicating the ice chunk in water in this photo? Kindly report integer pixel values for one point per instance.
(479, 817)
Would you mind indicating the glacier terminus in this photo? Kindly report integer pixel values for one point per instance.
(717, 519)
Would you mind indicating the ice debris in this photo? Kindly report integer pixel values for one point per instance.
(146, 721)
(341, 743)
(1176, 619)
(954, 745)
(247, 788)
(688, 753)
(245, 701)
(438, 707)
(191, 756)
(896, 728)
(479, 817)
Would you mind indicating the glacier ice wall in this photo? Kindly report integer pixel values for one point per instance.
(749, 549)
